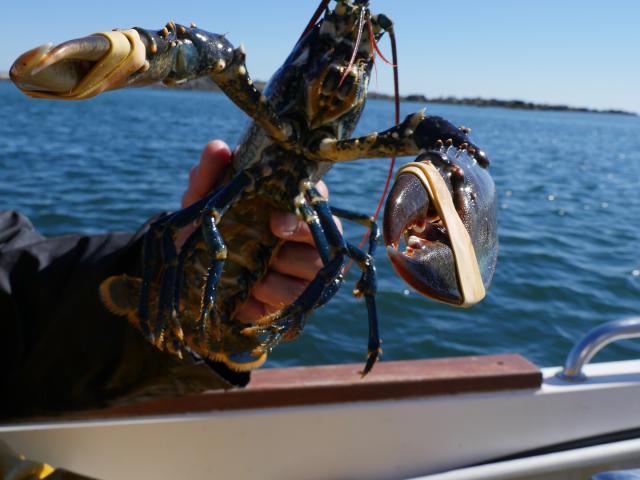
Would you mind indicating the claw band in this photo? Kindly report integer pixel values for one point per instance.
(467, 270)
(126, 55)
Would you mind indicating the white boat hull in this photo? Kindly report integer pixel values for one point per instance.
(366, 439)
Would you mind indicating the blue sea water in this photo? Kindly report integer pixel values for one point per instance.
(569, 213)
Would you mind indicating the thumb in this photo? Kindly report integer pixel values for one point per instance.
(214, 160)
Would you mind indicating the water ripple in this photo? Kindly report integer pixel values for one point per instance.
(569, 217)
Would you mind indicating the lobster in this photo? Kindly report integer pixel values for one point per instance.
(442, 206)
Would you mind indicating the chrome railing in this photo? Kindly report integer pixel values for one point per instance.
(583, 351)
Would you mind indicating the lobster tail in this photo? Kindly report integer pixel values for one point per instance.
(121, 295)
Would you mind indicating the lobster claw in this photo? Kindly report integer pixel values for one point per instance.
(443, 206)
(80, 68)
(85, 67)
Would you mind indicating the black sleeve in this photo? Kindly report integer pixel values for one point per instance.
(60, 349)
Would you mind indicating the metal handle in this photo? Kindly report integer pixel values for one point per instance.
(583, 351)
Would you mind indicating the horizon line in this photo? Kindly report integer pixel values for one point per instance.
(516, 104)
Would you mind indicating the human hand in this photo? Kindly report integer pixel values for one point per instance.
(297, 260)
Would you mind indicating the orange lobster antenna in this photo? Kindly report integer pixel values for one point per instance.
(355, 48)
(396, 98)
(374, 44)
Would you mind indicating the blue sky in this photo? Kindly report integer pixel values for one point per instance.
(575, 52)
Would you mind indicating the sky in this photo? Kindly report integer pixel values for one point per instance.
(583, 53)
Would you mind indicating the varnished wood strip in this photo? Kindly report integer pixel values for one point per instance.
(283, 387)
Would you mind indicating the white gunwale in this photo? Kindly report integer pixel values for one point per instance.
(351, 434)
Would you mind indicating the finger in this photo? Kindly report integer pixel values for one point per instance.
(322, 189)
(189, 198)
(214, 159)
(297, 260)
(183, 235)
(338, 223)
(278, 290)
(250, 311)
(287, 226)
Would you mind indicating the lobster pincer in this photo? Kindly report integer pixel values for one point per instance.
(443, 206)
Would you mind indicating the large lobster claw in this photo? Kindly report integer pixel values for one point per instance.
(80, 68)
(443, 206)
(85, 67)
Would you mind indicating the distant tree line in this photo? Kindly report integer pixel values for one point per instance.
(205, 84)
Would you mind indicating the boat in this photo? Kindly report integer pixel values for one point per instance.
(476, 417)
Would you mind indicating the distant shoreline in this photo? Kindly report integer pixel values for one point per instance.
(205, 84)
(494, 102)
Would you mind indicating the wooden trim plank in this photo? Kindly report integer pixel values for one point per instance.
(332, 384)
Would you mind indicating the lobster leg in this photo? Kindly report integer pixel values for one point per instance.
(149, 266)
(417, 132)
(215, 208)
(320, 289)
(367, 285)
(159, 238)
(160, 259)
(166, 314)
(322, 245)
(235, 82)
(289, 322)
(364, 220)
(218, 251)
(311, 219)
(158, 256)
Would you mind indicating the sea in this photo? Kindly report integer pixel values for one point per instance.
(568, 212)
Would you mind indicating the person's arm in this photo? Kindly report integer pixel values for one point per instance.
(61, 349)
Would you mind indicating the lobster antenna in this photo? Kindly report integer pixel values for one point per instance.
(323, 5)
(396, 98)
(374, 44)
(356, 47)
